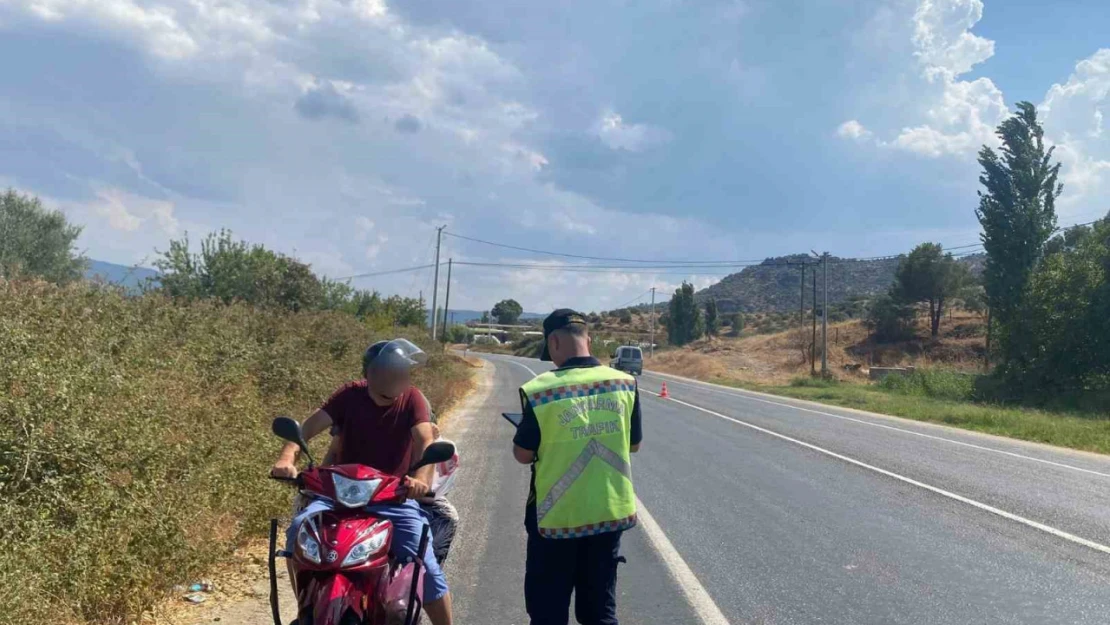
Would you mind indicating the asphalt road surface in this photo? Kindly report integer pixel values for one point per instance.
(768, 510)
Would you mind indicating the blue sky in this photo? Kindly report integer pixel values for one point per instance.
(344, 131)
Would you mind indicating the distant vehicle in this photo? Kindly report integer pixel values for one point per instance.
(629, 359)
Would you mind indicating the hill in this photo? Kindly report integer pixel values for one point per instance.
(462, 316)
(130, 278)
(773, 286)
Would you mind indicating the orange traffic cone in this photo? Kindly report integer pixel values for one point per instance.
(664, 394)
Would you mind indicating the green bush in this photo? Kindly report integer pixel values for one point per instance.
(812, 382)
(935, 383)
(134, 438)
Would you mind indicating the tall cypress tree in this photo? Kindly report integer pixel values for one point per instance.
(1018, 214)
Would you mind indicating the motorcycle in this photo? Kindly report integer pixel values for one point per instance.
(342, 569)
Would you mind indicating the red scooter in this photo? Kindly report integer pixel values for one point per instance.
(343, 571)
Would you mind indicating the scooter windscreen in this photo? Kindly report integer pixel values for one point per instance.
(513, 417)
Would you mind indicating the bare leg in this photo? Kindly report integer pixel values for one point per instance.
(439, 611)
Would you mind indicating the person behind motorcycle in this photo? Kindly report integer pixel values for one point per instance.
(381, 421)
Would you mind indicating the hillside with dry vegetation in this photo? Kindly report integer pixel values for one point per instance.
(778, 358)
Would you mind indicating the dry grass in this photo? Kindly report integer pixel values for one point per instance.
(779, 358)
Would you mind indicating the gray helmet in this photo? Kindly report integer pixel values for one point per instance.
(397, 355)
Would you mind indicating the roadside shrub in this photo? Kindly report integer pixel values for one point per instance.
(934, 383)
(890, 320)
(812, 382)
(134, 438)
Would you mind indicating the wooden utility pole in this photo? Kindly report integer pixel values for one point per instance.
(813, 340)
(447, 298)
(651, 349)
(802, 301)
(825, 316)
(435, 282)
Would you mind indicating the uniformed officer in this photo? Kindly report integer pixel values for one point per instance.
(581, 423)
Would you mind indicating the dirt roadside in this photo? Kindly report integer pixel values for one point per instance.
(240, 592)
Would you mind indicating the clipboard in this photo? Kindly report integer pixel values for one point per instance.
(513, 417)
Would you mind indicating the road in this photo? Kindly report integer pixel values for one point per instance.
(769, 510)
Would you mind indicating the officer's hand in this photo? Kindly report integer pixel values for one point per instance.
(283, 470)
(417, 489)
(435, 432)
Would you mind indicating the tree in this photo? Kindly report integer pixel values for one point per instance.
(737, 325)
(890, 319)
(683, 321)
(235, 270)
(458, 333)
(712, 323)
(35, 241)
(625, 316)
(929, 275)
(507, 311)
(1018, 215)
(1066, 310)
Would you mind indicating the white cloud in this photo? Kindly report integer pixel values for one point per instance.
(618, 135)
(966, 113)
(958, 115)
(852, 129)
(943, 39)
(127, 212)
(1073, 120)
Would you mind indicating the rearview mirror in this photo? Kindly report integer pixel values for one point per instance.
(613, 355)
(439, 451)
(289, 430)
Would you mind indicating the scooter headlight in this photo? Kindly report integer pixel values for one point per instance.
(362, 552)
(353, 493)
(309, 547)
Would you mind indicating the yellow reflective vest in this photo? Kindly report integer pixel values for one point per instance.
(583, 473)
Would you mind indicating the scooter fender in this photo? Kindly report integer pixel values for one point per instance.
(394, 593)
(333, 597)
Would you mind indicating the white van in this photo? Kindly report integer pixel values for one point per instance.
(629, 359)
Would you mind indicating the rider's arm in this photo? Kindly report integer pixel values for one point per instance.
(527, 439)
(312, 426)
(286, 462)
(332, 457)
(423, 434)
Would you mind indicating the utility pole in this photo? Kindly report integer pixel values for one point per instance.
(825, 316)
(813, 340)
(435, 285)
(652, 347)
(447, 299)
(802, 301)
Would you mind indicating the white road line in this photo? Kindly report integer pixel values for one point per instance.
(696, 594)
(940, 491)
(522, 366)
(745, 395)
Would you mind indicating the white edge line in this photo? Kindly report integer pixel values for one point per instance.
(744, 394)
(695, 593)
(684, 577)
(940, 491)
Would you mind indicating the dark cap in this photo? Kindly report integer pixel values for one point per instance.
(557, 321)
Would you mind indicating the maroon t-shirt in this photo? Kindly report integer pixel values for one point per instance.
(377, 436)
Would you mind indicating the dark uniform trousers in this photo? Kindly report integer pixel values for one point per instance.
(587, 566)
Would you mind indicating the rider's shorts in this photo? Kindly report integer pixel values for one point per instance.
(408, 522)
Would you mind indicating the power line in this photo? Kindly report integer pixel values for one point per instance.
(385, 272)
(581, 257)
(633, 301)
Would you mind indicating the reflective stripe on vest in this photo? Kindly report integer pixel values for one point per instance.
(584, 415)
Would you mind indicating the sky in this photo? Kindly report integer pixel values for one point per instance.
(343, 132)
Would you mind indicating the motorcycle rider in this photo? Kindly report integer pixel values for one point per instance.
(382, 421)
